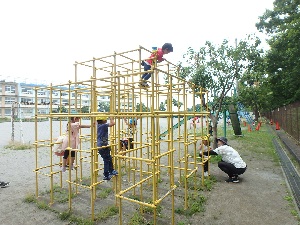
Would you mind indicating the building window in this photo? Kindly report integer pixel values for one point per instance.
(27, 111)
(26, 100)
(41, 93)
(10, 89)
(10, 100)
(42, 111)
(7, 112)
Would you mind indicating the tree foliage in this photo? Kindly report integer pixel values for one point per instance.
(104, 107)
(142, 108)
(177, 103)
(253, 86)
(85, 109)
(61, 109)
(216, 68)
(282, 25)
(162, 106)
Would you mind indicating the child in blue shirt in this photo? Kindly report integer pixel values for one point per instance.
(103, 148)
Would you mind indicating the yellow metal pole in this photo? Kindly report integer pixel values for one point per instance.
(51, 153)
(92, 144)
(36, 145)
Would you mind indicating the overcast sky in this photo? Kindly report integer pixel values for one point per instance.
(40, 40)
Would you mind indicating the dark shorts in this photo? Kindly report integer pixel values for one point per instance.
(125, 143)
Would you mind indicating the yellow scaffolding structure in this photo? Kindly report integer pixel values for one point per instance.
(164, 146)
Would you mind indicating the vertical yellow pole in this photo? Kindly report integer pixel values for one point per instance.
(36, 145)
(153, 145)
(60, 118)
(93, 152)
(70, 149)
(51, 153)
(186, 158)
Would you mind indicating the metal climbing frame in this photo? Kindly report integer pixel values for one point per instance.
(160, 158)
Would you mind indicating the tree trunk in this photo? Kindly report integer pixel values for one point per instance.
(235, 120)
(256, 114)
(213, 140)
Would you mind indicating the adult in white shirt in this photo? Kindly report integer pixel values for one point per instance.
(231, 163)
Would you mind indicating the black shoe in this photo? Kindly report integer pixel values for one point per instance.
(4, 184)
(233, 180)
(143, 63)
(144, 85)
(114, 173)
(107, 177)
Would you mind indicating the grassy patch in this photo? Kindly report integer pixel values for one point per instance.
(195, 183)
(30, 199)
(135, 197)
(40, 204)
(196, 204)
(65, 215)
(61, 195)
(106, 213)
(80, 221)
(294, 212)
(2, 120)
(259, 142)
(150, 210)
(18, 146)
(137, 219)
(208, 183)
(104, 193)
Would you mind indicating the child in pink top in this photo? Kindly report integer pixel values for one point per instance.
(166, 49)
(74, 141)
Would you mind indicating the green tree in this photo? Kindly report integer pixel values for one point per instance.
(216, 68)
(177, 103)
(85, 109)
(61, 109)
(142, 108)
(162, 106)
(282, 25)
(254, 92)
(253, 87)
(103, 107)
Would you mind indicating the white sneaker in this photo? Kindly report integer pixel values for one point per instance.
(63, 169)
(206, 174)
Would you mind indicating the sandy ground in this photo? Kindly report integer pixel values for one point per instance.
(258, 199)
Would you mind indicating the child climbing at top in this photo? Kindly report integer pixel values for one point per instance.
(165, 49)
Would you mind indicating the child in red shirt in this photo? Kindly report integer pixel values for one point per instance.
(166, 49)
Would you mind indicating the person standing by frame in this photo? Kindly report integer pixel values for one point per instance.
(103, 146)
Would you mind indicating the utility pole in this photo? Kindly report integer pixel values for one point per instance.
(13, 116)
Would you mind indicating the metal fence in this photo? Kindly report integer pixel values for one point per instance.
(287, 118)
